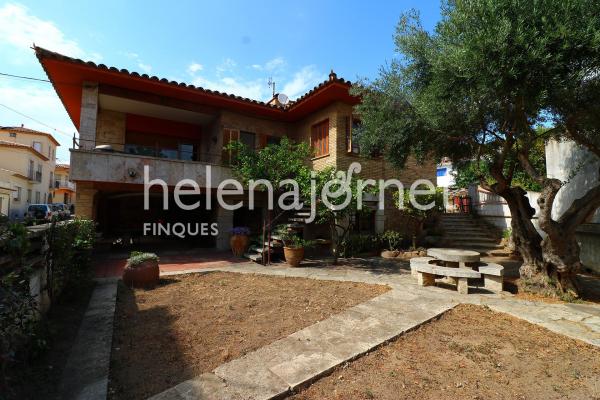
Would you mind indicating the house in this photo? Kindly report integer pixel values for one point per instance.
(27, 161)
(127, 121)
(64, 188)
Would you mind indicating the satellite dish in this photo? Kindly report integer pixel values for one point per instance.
(282, 99)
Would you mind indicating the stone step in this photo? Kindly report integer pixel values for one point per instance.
(254, 257)
(478, 245)
(477, 239)
(299, 220)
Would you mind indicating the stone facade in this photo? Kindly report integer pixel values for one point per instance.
(110, 129)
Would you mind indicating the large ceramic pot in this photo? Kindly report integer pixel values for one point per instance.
(293, 255)
(239, 244)
(142, 275)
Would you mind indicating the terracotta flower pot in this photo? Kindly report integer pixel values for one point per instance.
(143, 275)
(293, 255)
(239, 244)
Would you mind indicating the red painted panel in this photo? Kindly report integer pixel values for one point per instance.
(140, 123)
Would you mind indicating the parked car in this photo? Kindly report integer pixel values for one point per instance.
(62, 209)
(41, 212)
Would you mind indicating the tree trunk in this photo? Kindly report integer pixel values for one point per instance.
(526, 238)
(334, 241)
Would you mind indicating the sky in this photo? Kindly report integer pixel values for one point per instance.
(230, 46)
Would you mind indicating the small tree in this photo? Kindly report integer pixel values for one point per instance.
(337, 215)
(274, 163)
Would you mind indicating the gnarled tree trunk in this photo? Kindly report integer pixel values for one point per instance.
(526, 238)
(560, 248)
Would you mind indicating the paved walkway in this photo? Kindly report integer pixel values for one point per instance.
(304, 356)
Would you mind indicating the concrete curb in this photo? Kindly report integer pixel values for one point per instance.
(86, 373)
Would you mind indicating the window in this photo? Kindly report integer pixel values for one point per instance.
(38, 173)
(49, 151)
(273, 140)
(37, 197)
(51, 182)
(13, 134)
(352, 126)
(17, 196)
(29, 195)
(186, 151)
(30, 170)
(229, 135)
(248, 138)
(37, 146)
(319, 138)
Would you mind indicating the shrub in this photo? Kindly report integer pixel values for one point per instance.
(392, 240)
(354, 245)
(136, 258)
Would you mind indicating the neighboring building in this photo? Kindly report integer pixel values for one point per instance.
(27, 161)
(178, 130)
(64, 189)
(445, 174)
(579, 168)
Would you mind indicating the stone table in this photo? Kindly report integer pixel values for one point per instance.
(452, 257)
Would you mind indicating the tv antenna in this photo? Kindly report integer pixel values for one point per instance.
(271, 84)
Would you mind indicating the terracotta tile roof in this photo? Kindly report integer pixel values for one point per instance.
(22, 129)
(65, 166)
(4, 143)
(42, 53)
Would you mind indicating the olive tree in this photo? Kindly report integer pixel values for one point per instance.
(479, 87)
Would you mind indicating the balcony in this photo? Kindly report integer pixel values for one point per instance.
(34, 176)
(120, 167)
(64, 185)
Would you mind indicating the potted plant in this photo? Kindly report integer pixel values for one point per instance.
(239, 240)
(392, 240)
(293, 247)
(141, 270)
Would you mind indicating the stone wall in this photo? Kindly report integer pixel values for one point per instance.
(110, 129)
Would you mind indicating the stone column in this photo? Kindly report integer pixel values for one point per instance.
(224, 223)
(379, 221)
(84, 201)
(89, 115)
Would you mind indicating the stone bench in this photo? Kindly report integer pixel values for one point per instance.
(493, 276)
(419, 260)
(426, 274)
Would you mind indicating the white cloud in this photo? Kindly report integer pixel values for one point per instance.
(228, 65)
(147, 68)
(303, 80)
(42, 104)
(276, 63)
(20, 29)
(253, 89)
(194, 67)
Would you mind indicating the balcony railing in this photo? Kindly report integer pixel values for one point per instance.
(35, 176)
(64, 185)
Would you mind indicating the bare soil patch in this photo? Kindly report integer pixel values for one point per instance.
(191, 324)
(470, 352)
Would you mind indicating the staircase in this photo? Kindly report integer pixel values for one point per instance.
(464, 232)
(257, 252)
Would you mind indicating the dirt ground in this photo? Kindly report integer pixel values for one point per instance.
(469, 353)
(193, 323)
